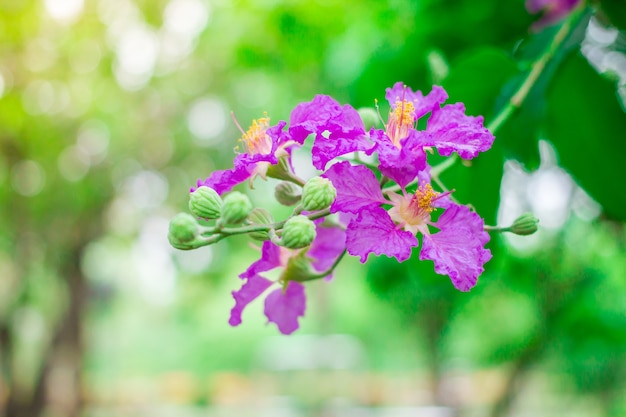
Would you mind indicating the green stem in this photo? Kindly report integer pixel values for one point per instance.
(230, 231)
(329, 270)
(517, 100)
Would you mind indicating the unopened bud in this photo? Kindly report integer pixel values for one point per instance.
(205, 202)
(287, 193)
(260, 216)
(317, 194)
(184, 229)
(369, 116)
(236, 208)
(298, 232)
(524, 225)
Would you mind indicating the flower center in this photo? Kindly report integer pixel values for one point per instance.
(256, 140)
(401, 119)
(416, 210)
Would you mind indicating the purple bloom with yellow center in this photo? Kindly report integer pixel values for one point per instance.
(401, 147)
(262, 146)
(457, 249)
(286, 303)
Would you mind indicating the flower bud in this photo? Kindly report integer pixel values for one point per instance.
(205, 202)
(236, 208)
(317, 194)
(524, 225)
(260, 216)
(298, 232)
(184, 229)
(287, 193)
(369, 116)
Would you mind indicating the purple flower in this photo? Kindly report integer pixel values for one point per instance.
(338, 129)
(285, 304)
(262, 146)
(457, 249)
(401, 147)
(553, 11)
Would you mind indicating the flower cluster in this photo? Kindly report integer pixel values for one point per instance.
(385, 206)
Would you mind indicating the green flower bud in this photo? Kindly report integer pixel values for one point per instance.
(298, 232)
(524, 225)
(260, 216)
(205, 202)
(370, 117)
(287, 193)
(317, 194)
(236, 208)
(184, 230)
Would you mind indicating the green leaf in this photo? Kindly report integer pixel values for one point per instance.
(587, 125)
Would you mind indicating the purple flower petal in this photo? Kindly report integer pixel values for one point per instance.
(327, 246)
(458, 248)
(283, 307)
(270, 259)
(250, 290)
(339, 140)
(307, 117)
(423, 105)
(357, 187)
(401, 165)
(338, 129)
(451, 130)
(373, 231)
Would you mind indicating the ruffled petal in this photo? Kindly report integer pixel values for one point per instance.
(245, 165)
(401, 165)
(307, 117)
(283, 307)
(451, 130)
(373, 231)
(357, 187)
(458, 248)
(270, 259)
(423, 105)
(336, 139)
(250, 290)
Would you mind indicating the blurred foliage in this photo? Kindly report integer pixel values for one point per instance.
(109, 113)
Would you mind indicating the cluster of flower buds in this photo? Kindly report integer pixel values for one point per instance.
(374, 194)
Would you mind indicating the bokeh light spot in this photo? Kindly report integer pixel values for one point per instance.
(207, 120)
(28, 178)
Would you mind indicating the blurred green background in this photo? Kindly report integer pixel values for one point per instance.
(111, 109)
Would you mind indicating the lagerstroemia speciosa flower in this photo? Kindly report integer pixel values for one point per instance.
(263, 145)
(457, 249)
(553, 11)
(287, 302)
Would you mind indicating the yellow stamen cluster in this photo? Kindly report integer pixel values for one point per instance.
(400, 121)
(404, 112)
(424, 197)
(255, 140)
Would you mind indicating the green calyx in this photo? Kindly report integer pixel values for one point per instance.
(298, 232)
(317, 194)
(205, 202)
(236, 208)
(370, 117)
